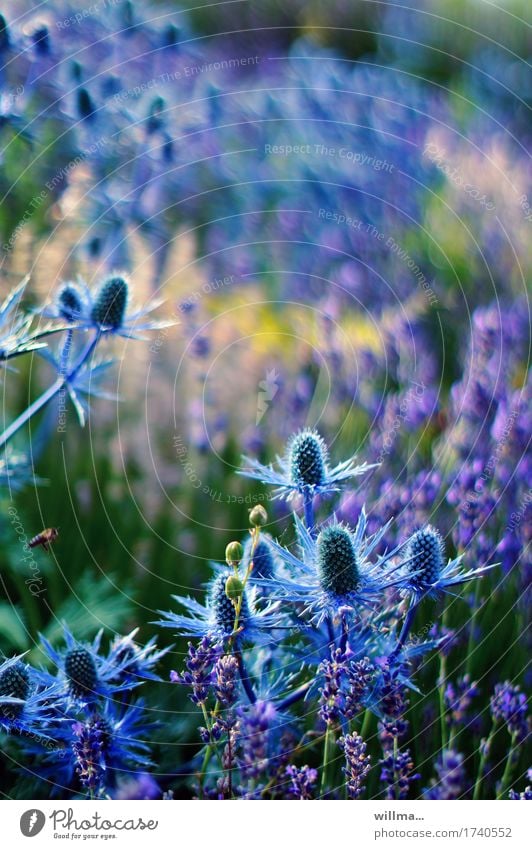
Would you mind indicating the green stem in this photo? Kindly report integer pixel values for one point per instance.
(506, 779)
(212, 747)
(328, 745)
(50, 393)
(484, 752)
(366, 724)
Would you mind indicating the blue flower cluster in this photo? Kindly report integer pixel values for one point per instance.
(324, 631)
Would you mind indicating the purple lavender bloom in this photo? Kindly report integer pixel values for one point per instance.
(142, 786)
(226, 680)
(88, 747)
(257, 724)
(198, 674)
(357, 764)
(450, 783)
(301, 782)
(458, 699)
(392, 702)
(99, 746)
(509, 705)
(331, 698)
(398, 774)
(525, 795)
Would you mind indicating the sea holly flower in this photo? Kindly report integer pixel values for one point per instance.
(86, 674)
(106, 309)
(16, 471)
(334, 574)
(425, 560)
(264, 558)
(27, 702)
(96, 744)
(305, 468)
(217, 616)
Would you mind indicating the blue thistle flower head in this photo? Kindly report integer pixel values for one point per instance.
(223, 608)
(70, 303)
(135, 662)
(110, 305)
(27, 701)
(337, 561)
(14, 683)
(264, 565)
(307, 457)
(106, 311)
(216, 618)
(80, 670)
(304, 469)
(334, 573)
(426, 570)
(107, 740)
(425, 553)
(86, 672)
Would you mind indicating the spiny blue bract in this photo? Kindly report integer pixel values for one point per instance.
(14, 682)
(69, 303)
(337, 561)
(308, 459)
(224, 609)
(80, 670)
(425, 554)
(110, 305)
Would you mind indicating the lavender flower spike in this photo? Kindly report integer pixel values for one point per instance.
(357, 763)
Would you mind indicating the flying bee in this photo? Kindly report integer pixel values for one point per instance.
(45, 537)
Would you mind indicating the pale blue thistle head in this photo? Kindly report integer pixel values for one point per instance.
(425, 555)
(307, 459)
(337, 562)
(69, 303)
(110, 305)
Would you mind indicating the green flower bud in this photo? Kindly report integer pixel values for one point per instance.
(234, 588)
(234, 553)
(258, 516)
